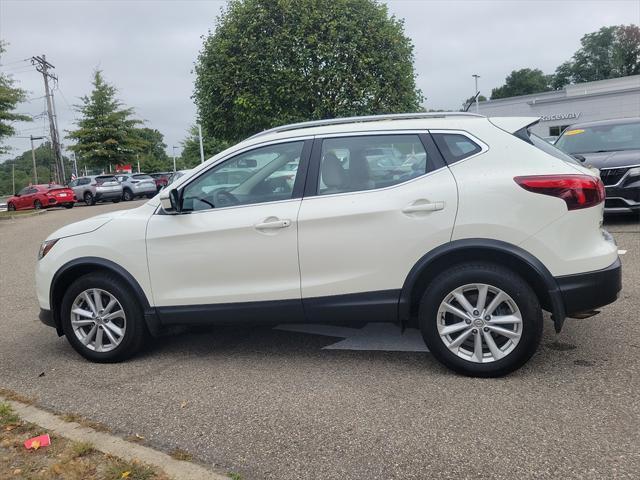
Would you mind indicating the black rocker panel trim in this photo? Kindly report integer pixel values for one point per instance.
(380, 306)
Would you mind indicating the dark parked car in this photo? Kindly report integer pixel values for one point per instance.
(612, 146)
(41, 196)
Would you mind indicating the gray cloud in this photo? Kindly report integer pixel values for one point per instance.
(147, 48)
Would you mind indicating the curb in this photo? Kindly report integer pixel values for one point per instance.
(113, 445)
(21, 215)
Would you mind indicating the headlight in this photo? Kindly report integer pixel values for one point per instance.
(45, 247)
(634, 172)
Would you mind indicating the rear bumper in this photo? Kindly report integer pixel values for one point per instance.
(586, 291)
(108, 195)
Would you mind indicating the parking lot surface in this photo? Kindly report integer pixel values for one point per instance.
(274, 404)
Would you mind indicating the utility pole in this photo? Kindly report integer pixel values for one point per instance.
(174, 158)
(33, 157)
(13, 176)
(43, 67)
(476, 76)
(201, 147)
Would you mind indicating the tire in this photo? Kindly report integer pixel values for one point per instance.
(116, 200)
(89, 200)
(11, 207)
(151, 195)
(68, 205)
(37, 205)
(509, 351)
(127, 195)
(135, 331)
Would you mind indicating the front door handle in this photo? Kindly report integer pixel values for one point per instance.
(272, 224)
(420, 206)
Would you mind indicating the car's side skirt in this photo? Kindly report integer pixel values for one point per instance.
(379, 306)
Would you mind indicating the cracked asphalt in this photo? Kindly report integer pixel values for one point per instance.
(273, 404)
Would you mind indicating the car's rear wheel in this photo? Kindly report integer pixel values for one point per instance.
(481, 320)
(116, 200)
(127, 195)
(11, 207)
(101, 318)
(37, 204)
(88, 199)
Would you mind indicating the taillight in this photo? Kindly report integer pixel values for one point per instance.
(578, 191)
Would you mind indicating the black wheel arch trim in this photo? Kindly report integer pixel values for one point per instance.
(457, 248)
(85, 263)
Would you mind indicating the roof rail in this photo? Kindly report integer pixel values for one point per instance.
(363, 119)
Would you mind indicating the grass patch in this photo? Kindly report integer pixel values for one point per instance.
(180, 454)
(81, 449)
(234, 476)
(119, 469)
(16, 397)
(7, 415)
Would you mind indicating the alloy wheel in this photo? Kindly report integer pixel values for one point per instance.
(479, 323)
(98, 320)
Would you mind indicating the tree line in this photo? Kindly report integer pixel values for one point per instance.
(611, 52)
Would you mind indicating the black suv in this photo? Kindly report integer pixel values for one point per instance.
(612, 146)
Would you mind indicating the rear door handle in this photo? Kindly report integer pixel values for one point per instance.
(272, 224)
(423, 206)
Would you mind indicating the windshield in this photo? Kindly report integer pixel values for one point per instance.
(602, 138)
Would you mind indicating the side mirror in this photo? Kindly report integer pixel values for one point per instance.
(580, 158)
(170, 200)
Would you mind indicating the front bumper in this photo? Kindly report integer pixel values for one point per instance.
(623, 199)
(584, 292)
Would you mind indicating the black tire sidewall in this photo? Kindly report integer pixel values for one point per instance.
(135, 333)
(502, 278)
(11, 207)
(127, 195)
(37, 205)
(88, 199)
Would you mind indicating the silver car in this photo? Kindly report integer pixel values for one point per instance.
(97, 188)
(137, 185)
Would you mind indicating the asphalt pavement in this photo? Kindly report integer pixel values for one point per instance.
(269, 403)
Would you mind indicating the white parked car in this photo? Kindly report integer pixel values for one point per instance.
(495, 228)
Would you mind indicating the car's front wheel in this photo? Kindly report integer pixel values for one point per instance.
(11, 207)
(101, 318)
(37, 205)
(481, 320)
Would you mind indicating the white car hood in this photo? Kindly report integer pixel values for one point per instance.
(86, 226)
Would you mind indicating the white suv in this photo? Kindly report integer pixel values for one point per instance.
(469, 235)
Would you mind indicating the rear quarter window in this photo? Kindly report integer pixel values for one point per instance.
(455, 146)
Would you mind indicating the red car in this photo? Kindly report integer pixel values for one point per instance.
(161, 179)
(41, 196)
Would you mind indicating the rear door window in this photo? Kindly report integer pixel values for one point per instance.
(455, 146)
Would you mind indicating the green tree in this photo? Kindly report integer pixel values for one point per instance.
(610, 52)
(10, 97)
(190, 156)
(153, 156)
(271, 62)
(523, 82)
(106, 133)
(23, 164)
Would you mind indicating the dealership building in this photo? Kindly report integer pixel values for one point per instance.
(584, 102)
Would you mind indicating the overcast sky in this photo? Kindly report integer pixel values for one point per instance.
(147, 49)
